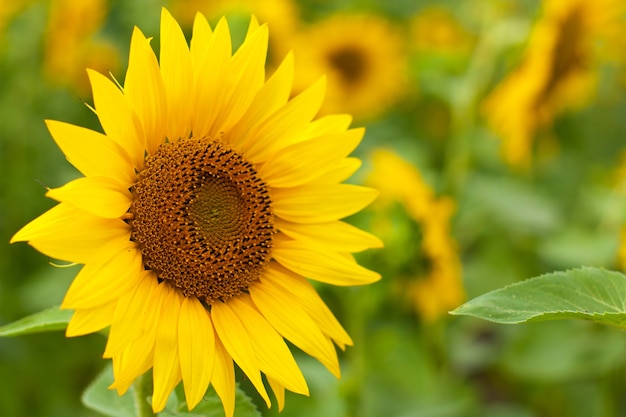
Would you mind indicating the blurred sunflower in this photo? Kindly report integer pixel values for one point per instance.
(70, 43)
(364, 58)
(437, 288)
(203, 208)
(558, 72)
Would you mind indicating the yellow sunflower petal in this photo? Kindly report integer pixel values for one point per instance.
(210, 75)
(272, 96)
(247, 70)
(341, 172)
(328, 124)
(200, 41)
(143, 86)
(302, 291)
(166, 372)
(196, 343)
(304, 161)
(91, 320)
(105, 279)
(279, 392)
(117, 117)
(318, 203)
(135, 316)
(271, 351)
(133, 361)
(236, 340)
(287, 316)
(284, 126)
(177, 72)
(92, 153)
(345, 236)
(102, 196)
(138, 356)
(223, 378)
(67, 233)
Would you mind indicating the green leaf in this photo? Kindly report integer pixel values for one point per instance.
(211, 406)
(585, 293)
(98, 397)
(44, 321)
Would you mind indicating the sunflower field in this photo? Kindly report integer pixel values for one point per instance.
(405, 208)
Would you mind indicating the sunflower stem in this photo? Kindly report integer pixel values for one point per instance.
(141, 390)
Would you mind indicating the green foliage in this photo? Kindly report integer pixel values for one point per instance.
(105, 401)
(587, 293)
(44, 321)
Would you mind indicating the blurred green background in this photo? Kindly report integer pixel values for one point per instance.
(495, 133)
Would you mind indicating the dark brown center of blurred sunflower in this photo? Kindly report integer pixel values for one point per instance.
(569, 53)
(202, 218)
(350, 63)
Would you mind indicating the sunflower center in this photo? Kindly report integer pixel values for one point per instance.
(202, 218)
(349, 63)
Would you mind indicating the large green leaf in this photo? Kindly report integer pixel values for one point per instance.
(44, 321)
(585, 293)
(98, 397)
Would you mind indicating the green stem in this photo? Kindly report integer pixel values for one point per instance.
(142, 386)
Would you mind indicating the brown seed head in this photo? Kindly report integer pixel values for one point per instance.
(202, 218)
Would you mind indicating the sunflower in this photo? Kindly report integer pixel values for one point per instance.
(558, 72)
(205, 206)
(435, 285)
(70, 43)
(364, 57)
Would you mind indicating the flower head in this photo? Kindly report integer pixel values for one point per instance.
(206, 204)
(364, 58)
(558, 72)
(435, 284)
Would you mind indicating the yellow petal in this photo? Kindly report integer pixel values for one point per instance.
(320, 203)
(67, 233)
(321, 265)
(166, 369)
(284, 127)
(136, 315)
(345, 237)
(92, 153)
(341, 172)
(101, 196)
(138, 355)
(143, 87)
(304, 161)
(91, 320)
(236, 340)
(272, 96)
(289, 318)
(270, 348)
(279, 392)
(210, 74)
(130, 364)
(105, 279)
(303, 292)
(223, 378)
(177, 73)
(200, 41)
(328, 124)
(117, 117)
(247, 75)
(196, 344)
